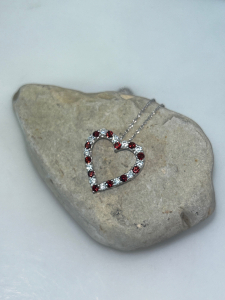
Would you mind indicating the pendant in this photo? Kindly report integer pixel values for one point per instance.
(118, 146)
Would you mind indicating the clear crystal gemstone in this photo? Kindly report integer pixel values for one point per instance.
(116, 181)
(103, 131)
(130, 174)
(139, 163)
(138, 149)
(89, 167)
(124, 144)
(87, 152)
(91, 139)
(92, 180)
(102, 186)
(115, 139)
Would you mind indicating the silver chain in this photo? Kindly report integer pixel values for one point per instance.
(144, 123)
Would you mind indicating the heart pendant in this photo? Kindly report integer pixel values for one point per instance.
(118, 146)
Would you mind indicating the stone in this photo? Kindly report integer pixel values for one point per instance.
(109, 183)
(117, 145)
(88, 145)
(172, 193)
(95, 188)
(87, 159)
(140, 155)
(91, 173)
(123, 177)
(136, 169)
(95, 133)
(131, 145)
(109, 134)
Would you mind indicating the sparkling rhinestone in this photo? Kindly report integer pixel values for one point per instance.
(138, 149)
(88, 145)
(87, 152)
(89, 167)
(103, 131)
(123, 178)
(136, 169)
(96, 133)
(115, 139)
(130, 174)
(91, 173)
(95, 188)
(91, 139)
(139, 163)
(102, 186)
(131, 145)
(109, 134)
(117, 145)
(140, 155)
(92, 180)
(116, 181)
(109, 183)
(87, 159)
(124, 144)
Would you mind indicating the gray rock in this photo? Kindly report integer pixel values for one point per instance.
(172, 193)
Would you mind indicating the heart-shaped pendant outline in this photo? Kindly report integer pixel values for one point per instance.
(118, 146)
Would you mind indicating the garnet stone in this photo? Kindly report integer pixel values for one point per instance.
(136, 169)
(91, 173)
(96, 133)
(87, 159)
(109, 134)
(95, 188)
(131, 145)
(117, 145)
(123, 178)
(109, 183)
(88, 145)
(140, 155)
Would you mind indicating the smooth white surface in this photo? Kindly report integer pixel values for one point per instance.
(171, 50)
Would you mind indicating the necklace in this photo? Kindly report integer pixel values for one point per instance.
(119, 144)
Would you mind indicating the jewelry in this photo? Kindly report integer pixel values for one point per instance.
(119, 145)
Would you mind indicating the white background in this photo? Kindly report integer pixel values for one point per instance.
(173, 50)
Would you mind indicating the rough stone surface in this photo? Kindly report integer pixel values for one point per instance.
(172, 193)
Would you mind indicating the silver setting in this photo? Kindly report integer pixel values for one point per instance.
(140, 163)
(138, 149)
(87, 152)
(92, 180)
(89, 167)
(116, 181)
(102, 186)
(115, 139)
(124, 144)
(130, 174)
(103, 131)
(91, 139)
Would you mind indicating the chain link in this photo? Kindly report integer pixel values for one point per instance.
(138, 116)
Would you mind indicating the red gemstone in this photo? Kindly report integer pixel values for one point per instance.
(91, 173)
(87, 159)
(109, 183)
(136, 169)
(95, 133)
(117, 145)
(141, 155)
(109, 134)
(88, 145)
(131, 145)
(95, 188)
(123, 178)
